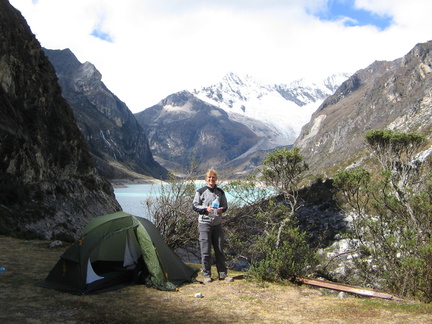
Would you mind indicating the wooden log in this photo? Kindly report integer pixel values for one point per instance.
(345, 288)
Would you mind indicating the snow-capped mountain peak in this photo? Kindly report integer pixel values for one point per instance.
(285, 108)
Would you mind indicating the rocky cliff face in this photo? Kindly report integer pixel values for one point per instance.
(116, 141)
(49, 185)
(183, 128)
(396, 95)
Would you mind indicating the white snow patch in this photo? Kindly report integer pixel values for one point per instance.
(284, 115)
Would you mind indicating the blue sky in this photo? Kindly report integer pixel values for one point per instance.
(346, 11)
(149, 49)
(98, 33)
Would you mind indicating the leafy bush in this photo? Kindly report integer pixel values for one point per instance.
(393, 211)
(291, 257)
(262, 228)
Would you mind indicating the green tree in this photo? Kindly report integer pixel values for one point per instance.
(264, 228)
(393, 208)
(282, 170)
(395, 152)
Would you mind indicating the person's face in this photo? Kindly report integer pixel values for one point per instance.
(211, 180)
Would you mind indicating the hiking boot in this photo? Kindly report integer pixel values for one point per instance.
(207, 280)
(226, 278)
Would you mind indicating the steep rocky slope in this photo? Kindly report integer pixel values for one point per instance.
(116, 141)
(48, 185)
(183, 128)
(395, 95)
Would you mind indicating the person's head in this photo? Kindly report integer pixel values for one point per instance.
(211, 177)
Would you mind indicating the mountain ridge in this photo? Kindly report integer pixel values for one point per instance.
(49, 187)
(118, 144)
(182, 128)
(238, 101)
(284, 108)
(395, 95)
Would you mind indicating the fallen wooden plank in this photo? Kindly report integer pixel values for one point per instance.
(345, 288)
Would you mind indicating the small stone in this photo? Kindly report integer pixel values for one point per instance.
(55, 244)
(199, 295)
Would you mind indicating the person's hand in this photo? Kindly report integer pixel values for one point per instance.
(211, 209)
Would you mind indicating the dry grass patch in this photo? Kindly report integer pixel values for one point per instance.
(242, 301)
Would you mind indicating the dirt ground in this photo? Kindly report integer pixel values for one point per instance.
(242, 301)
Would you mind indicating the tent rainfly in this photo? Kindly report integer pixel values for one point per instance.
(116, 249)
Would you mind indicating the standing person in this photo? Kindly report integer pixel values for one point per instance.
(210, 226)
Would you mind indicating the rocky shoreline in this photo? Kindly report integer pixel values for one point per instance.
(122, 183)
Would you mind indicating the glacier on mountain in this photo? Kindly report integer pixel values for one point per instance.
(277, 111)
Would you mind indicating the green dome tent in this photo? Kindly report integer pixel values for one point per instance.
(113, 250)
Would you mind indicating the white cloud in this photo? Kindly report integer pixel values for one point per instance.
(159, 47)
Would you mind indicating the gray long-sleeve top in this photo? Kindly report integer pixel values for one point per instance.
(204, 198)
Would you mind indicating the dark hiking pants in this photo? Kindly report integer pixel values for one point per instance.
(212, 236)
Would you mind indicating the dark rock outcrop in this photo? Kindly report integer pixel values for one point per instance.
(319, 215)
(49, 187)
(117, 142)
